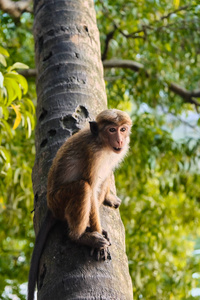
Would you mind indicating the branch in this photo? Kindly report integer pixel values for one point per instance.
(107, 41)
(123, 63)
(16, 9)
(174, 12)
(187, 96)
(151, 25)
(136, 34)
(27, 73)
(195, 93)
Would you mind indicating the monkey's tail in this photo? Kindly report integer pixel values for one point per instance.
(47, 225)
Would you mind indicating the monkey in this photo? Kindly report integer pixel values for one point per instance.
(79, 182)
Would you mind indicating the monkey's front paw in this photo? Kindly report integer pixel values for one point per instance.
(112, 201)
(117, 202)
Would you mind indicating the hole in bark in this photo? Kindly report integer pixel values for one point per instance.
(51, 32)
(69, 122)
(43, 114)
(82, 112)
(86, 28)
(52, 132)
(36, 197)
(63, 28)
(48, 56)
(77, 55)
(43, 144)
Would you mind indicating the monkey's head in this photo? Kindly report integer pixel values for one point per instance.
(113, 127)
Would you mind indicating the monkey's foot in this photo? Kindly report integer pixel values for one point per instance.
(105, 234)
(101, 254)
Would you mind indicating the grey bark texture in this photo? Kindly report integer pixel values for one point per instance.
(71, 91)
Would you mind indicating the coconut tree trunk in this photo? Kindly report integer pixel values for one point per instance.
(71, 91)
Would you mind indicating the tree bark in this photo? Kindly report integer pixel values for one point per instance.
(71, 91)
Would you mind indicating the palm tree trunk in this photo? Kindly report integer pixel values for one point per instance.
(71, 91)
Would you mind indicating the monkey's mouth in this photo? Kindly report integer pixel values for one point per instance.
(117, 149)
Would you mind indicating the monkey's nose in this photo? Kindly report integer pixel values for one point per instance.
(120, 142)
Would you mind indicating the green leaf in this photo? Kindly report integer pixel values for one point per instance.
(5, 154)
(18, 65)
(30, 105)
(16, 175)
(20, 79)
(168, 47)
(5, 124)
(29, 127)
(3, 60)
(176, 3)
(12, 88)
(4, 51)
(5, 112)
(1, 80)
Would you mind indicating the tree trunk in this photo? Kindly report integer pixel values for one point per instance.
(71, 91)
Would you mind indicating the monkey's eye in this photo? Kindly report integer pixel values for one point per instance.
(112, 129)
(123, 129)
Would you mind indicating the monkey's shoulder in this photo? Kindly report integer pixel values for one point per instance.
(74, 158)
(80, 144)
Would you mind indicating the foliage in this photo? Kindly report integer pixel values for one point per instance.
(160, 211)
(16, 124)
(159, 180)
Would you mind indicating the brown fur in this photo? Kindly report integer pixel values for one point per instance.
(78, 177)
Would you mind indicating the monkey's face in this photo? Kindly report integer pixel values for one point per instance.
(117, 137)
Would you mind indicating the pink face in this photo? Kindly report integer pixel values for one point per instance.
(117, 136)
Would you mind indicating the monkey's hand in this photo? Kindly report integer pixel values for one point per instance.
(112, 201)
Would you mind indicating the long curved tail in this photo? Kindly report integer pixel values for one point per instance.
(47, 225)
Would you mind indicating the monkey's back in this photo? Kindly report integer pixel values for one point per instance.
(73, 161)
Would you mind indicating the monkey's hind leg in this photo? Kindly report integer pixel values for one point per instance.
(101, 252)
(77, 214)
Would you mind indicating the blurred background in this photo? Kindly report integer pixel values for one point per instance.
(151, 57)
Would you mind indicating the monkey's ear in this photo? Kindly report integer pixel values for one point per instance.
(94, 128)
